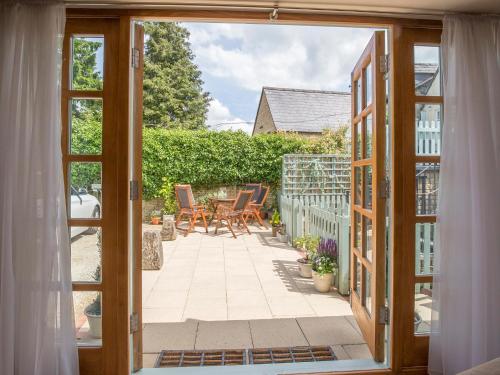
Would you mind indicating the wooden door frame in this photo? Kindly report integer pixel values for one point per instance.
(398, 28)
(372, 329)
(113, 356)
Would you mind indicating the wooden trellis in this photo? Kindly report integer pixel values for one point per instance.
(311, 175)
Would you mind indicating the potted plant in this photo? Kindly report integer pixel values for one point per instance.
(155, 217)
(275, 222)
(93, 310)
(417, 320)
(324, 265)
(282, 234)
(94, 317)
(308, 245)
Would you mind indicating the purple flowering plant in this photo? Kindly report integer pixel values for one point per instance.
(325, 259)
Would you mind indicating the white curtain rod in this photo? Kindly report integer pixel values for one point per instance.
(401, 13)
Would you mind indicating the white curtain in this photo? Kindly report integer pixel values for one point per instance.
(37, 333)
(466, 291)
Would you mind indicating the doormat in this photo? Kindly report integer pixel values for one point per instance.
(191, 358)
(291, 355)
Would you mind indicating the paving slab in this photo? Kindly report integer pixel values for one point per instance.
(269, 333)
(359, 351)
(149, 360)
(169, 336)
(331, 330)
(234, 334)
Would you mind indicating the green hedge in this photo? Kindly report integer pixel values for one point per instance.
(209, 158)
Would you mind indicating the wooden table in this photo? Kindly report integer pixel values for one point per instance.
(215, 203)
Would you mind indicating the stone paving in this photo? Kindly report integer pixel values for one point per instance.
(217, 292)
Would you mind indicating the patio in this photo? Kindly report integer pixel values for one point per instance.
(217, 292)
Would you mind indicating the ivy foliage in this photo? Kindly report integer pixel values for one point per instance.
(206, 158)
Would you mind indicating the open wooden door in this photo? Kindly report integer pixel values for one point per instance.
(368, 192)
(136, 193)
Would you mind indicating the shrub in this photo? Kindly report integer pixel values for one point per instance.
(208, 158)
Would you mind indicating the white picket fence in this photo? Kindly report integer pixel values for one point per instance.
(324, 216)
(428, 137)
(425, 237)
(328, 217)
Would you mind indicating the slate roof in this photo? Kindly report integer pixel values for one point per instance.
(309, 111)
(425, 73)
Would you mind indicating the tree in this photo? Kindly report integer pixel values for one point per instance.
(86, 114)
(173, 92)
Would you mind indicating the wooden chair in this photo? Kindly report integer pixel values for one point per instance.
(187, 207)
(235, 213)
(253, 210)
(256, 188)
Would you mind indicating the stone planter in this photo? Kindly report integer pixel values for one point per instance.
(95, 324)
(305, 268)
(275, 230)
(322, 283)
(283, 238)
(168, 230)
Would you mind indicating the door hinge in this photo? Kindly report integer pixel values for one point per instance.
(134, 190)
(384, 315)
(384, 190)
(135, 58)
(134, 322)
(384, 65)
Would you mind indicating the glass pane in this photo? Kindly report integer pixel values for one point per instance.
(357, 179)
(358, 141)
(88, 314)
(86, 254)
(423, 308)
(427, 71)
(87, 63)
(367, 177)
(86, 126)
(368, 136)
(367, 239)
(425, 234)
(357, 280)
(427, 184)
(357, 230)
(85, 180)
(367, 299)
(369, 84)
(428, 129)
(359, 91)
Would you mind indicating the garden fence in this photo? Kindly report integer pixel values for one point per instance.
(328, 218)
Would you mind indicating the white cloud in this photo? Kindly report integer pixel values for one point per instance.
(219, 117)
(253, 56)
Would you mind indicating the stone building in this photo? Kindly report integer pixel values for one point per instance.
(306, 112)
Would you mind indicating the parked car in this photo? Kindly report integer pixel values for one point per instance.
(83, 206)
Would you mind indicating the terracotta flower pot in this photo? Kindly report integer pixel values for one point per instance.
(322, 283)
(305, 268)
(155, 220)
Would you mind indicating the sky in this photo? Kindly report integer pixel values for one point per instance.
(237, 60)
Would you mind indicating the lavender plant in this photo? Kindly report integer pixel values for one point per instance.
(325, 259)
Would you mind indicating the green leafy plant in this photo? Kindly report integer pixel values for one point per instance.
(167, 192)
(275, 219)
(155, 213)
(309, 244)
(95, 306)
